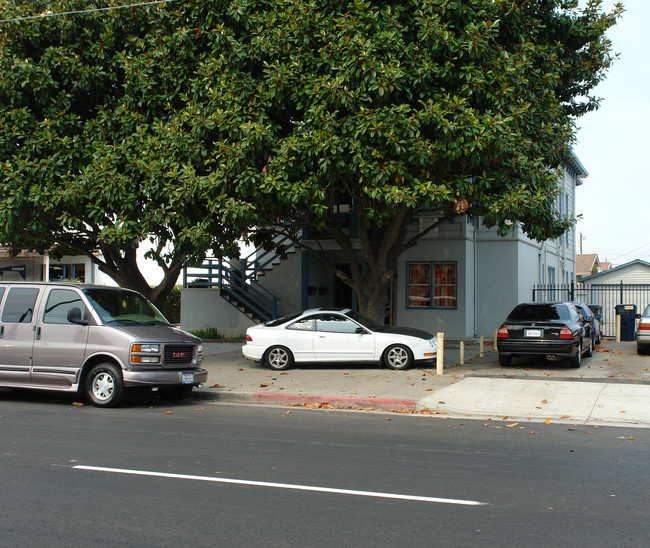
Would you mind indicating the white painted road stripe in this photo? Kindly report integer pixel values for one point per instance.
(281, 485)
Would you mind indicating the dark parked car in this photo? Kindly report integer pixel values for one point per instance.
(553, 330)
(590, 316)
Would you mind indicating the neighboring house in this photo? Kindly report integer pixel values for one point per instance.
(32, 266)
(627, 284)
(634, 272)
(586, 265)
(461, 279)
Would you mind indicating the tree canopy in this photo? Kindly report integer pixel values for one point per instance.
(89, 159)
(457, 107)
(194, 121)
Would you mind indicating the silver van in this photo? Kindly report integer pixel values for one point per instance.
(93, 339)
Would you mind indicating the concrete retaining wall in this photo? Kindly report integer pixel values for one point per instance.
(204, 309)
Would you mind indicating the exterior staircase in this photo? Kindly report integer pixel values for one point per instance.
(238, 280)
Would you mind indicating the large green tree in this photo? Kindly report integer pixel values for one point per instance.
(90, 157)
(396, 107)
(191, 121)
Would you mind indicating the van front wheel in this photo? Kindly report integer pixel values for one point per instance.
(104, 385)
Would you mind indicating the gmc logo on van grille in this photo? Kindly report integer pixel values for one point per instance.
(179, 353)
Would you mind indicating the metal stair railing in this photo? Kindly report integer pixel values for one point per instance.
(260, 259)
(240, 286)
(248, 294)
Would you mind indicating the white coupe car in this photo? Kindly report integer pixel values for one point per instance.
(336, 335)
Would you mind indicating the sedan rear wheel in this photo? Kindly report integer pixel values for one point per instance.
(398, 357)
(278, 358)
(590, 350)
(576, 361)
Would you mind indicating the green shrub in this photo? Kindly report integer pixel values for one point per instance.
(171, 309)
(205, 334)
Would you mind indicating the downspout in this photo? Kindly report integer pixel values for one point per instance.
(474, 231)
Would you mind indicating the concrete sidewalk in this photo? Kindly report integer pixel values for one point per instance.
(611, 388)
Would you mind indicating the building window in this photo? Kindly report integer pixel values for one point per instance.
(431, 285)
(60, 272)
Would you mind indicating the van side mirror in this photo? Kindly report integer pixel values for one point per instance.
(74, 316)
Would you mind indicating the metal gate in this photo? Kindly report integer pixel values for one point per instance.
(605, 295)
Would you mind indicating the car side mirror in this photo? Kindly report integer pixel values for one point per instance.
(74, 316)
(637, 316)
(360, 331)
(589, 319)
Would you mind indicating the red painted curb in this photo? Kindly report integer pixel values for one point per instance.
(338, 401)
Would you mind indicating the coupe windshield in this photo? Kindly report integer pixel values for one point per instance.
(366, 322)
(120, 306)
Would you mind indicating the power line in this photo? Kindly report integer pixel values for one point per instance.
(48, 13)
(629, 252)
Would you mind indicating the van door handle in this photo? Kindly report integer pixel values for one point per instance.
(38, 333)
(2, 331)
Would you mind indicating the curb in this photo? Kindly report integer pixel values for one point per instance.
(297, 399)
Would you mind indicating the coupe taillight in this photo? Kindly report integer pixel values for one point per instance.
(644, 326)
(503, 332)
(566, 333)
(249, 338)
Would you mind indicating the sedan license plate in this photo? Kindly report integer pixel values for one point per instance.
(533, 332)
(188, 378)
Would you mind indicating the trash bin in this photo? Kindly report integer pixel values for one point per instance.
(597, 309)
(627, 312)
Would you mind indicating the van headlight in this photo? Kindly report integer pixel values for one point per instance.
(151, 348)
(145, 353)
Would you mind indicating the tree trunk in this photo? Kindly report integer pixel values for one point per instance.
(373, 268)
(123, 268)
(373, 293)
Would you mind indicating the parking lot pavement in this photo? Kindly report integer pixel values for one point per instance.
(612, 387)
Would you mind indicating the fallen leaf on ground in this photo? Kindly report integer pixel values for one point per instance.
(548, 421)
(511, 425)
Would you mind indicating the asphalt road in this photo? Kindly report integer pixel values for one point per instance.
(202, 474)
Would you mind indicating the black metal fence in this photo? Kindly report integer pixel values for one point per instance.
(605, 295)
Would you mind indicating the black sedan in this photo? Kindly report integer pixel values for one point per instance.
(552, 330)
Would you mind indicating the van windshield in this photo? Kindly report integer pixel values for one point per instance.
(124, 307)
